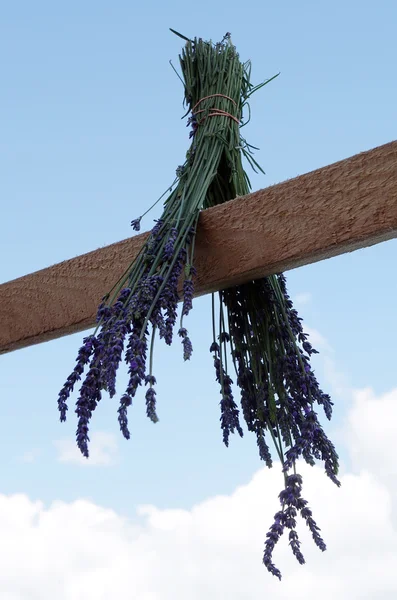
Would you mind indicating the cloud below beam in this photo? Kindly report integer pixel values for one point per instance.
(81, 550)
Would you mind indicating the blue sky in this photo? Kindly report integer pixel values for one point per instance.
(92, 134)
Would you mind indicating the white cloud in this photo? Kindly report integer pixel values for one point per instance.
(336, 378)
(81, 550)
(370, 433)
(332, 373)
(213, 551)
(302, 299)
(103, 450)
(30, 456)
(317, 339)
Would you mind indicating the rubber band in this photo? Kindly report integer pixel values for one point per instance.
(213, 96)
(217, 112)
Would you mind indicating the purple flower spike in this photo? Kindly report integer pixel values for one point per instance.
(151, 399)
(214, 347)
(187, 348)
(295, 547)
(136, 224)
(192, 120)
(188, 290)
(104, 313)
(272, 537)
(264, 452)
(90, 395)
(187, 344)
(125, 402)
(82, 360)
(136, 358)
(292, 503)
(169, 246)
(229, 411)
(169, 297)
(114, 354)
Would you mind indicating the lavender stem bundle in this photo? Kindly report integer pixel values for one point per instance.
(255, 327)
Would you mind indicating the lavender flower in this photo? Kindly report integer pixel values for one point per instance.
(307, 515)
(272, 537)
(82, 360)
(291, 502)
(169, 298)
(327, 403)
(90, 395)
(192, 120)
(136, 224)
(188, 290)
(154, 241)
(151, 399)
(214, 347)
(229, 411)
(245, 381)
(168, 252)
(157, 229)
(143, 298)
(104, 313)
(295, 547)
(264, 452)
(187, 344)
(313, 443)
(171, 302)
(308, 347)
(224, 337)
(136, 358)
(114, 353)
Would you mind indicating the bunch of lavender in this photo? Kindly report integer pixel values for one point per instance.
(279, 391)
(257, 324)
(144, 301)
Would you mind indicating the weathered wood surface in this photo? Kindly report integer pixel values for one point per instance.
(339, 208)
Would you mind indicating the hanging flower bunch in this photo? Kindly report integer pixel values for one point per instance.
(254, 325)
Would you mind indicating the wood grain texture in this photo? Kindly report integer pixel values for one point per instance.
(339, 208)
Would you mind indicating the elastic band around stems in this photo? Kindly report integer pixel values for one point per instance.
(213, 96)
(218, 113)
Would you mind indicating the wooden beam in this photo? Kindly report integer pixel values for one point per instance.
(347, 205)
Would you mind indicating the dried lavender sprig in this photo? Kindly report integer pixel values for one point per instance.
(150, 380)
(136, 359)
(136, 224)
(90, 395)
(151, 399)
(188, 290)
(82, 360)
(291, 503)
(186, 343)
(229, 411)
(169, 246)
